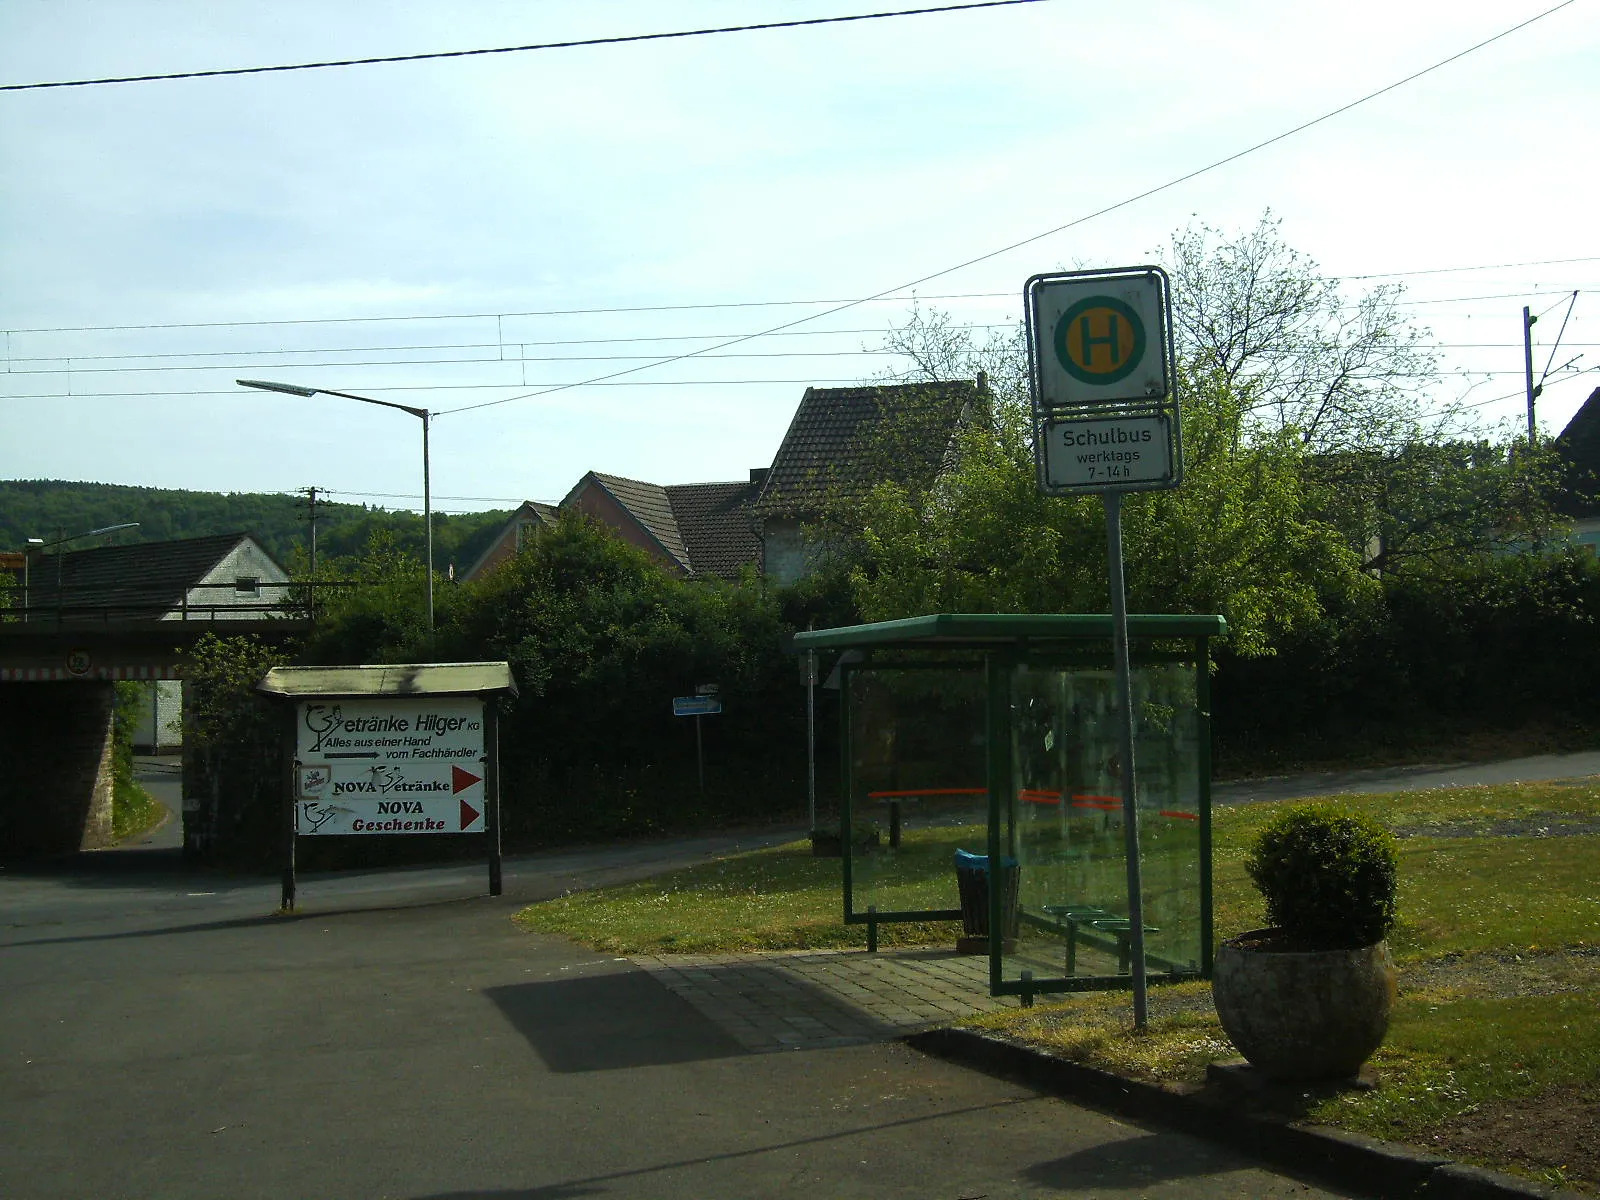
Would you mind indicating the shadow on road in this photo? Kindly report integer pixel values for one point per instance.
(863, 1133)
(121, 867)
(1133, 1163)
(610, 1023)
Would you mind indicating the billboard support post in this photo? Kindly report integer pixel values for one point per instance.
(286, 901)
(491, 790)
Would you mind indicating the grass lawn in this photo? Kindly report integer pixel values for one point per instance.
(1498, 945)
(776, 899)
(134, 810)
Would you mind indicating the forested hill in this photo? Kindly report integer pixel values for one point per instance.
(48, 509)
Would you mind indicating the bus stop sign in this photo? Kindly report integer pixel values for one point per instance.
(1105, 410)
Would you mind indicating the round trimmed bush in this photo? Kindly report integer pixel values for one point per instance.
(1328, 877)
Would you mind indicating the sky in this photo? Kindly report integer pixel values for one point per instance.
(465, 234)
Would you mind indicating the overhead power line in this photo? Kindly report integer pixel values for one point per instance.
(607, 382)
(1087, 217)
(69, 362)
(1496, 296)
(604, 310)
(1545, 262)
(419, 347)
(567, 45)
(506, 316)
(418, 496)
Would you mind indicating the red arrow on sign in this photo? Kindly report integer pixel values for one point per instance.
(461, 780)
(468, 814)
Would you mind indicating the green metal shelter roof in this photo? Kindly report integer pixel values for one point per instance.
(999, 629)
(397, 679)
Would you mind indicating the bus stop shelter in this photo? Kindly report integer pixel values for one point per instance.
(981, 766)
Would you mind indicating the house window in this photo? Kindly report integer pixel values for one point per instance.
(247, 585)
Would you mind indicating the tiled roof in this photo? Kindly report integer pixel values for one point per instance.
(714, 521)
(1579, 447)
(545, 514)
(650, 506)
(505, 542)
(843, 440)
(143, 574)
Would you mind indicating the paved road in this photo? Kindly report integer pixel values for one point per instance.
(162, 1034)
(1409, 779)
(162, 777)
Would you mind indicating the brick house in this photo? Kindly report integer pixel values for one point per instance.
(841, 442)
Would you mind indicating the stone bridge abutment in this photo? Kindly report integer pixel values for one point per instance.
(55, 766)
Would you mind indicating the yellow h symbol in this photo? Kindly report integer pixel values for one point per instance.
(1110, 341)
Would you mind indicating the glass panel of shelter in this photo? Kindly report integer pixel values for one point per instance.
(915, 785)
(1061, 822)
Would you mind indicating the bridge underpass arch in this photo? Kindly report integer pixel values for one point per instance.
(57, 708)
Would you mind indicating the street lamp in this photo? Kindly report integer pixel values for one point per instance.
(422, 414)
(27, 571)
(39, 545)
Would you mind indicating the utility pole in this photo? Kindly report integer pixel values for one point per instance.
(311, 516)
(1527, 368)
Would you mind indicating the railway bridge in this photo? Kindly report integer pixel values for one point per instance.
(58, 670)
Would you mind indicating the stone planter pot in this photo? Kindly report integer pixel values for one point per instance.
(1303, 1015)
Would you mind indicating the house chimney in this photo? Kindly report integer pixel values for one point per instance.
(758, 475)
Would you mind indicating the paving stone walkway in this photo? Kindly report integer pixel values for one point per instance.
(818, 998)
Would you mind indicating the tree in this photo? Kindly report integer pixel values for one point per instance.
(232, 749)
(938, 349)
(1310, 447)
(1420, 508)
(1238, 538)
(1254, 533)
(1338, 373)
(601, 637)
(380, 616)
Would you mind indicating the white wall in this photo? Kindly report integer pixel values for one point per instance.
(247, 560)
(160, 723)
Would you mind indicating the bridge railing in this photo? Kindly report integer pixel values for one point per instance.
(111, 606)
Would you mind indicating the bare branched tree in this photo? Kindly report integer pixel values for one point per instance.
(936, 348)
(1309, 361)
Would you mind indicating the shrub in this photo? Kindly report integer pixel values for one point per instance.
(1327, 875)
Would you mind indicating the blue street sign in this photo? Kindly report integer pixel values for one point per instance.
(696, 706)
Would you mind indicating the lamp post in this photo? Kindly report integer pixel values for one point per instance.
(32, 545)
(39, 545)
(422, 414)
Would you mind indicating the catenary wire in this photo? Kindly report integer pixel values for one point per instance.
(1544, 262)
(70, 363)
(420, 346)
(851, 381)
(1172, 183)
(434, 362)
(567, 45)
(880, 298)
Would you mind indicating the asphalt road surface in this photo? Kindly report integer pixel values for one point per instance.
(163, 1034)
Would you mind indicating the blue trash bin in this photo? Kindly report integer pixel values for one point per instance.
(972, 882)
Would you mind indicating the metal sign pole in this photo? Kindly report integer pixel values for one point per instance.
(491, 790)
(700, 755)
(290, 764)
(1130, 811)
(1105, 419)
(811, 737)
